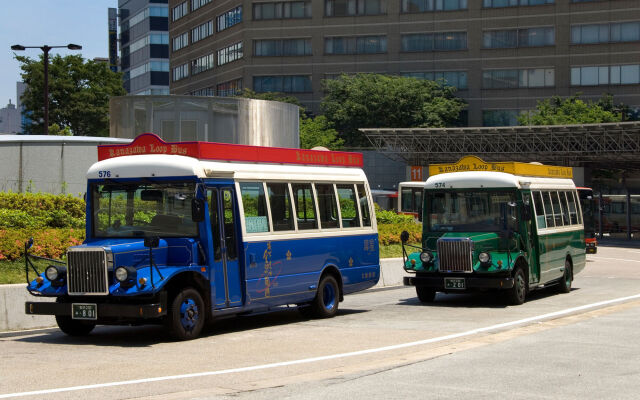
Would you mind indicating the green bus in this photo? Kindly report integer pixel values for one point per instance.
(513, 227)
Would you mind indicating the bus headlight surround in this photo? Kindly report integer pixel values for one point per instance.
(426, 257)
(121, 274)
(484, 257)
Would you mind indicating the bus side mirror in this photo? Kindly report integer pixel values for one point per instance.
(404, 237)
(197, 210)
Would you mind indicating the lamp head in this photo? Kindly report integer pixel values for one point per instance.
(72, 46)
(17, 47)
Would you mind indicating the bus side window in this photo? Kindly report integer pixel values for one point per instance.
(557, 210)
(328, 205)
(255, 207)
(548, 209)
(406, 205)
(417, 202)
(364, 205)
(539, 209)
(280, 202)
(305, 206)
(348, 206)
(573, 212)
(564, 208)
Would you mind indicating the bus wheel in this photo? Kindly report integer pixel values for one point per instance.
(518, 292)
(425, 294)
(73, 327)
(565, 282)
(186, 316)
(325, 304)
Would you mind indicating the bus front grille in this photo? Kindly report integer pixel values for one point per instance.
(87, 271)
(455, 255)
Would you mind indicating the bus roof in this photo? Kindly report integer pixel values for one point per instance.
(473, 163)
(148, 143)
(483, 179)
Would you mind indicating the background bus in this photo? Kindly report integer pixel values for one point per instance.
(410, 198)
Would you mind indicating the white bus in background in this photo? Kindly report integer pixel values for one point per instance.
(410, 198)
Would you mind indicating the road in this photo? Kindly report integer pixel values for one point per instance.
(383, 344)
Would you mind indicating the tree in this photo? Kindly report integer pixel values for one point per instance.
(318, 132)
(385, 101)
(572, 110)
(314, 131)
(79, 94)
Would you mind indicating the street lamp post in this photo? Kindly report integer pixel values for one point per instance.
(45, 49)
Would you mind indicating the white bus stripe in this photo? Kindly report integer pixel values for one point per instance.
(329, 357)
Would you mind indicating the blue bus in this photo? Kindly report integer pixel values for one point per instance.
(183, 233)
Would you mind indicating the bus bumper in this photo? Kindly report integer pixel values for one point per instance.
(104, 310)
(437, 282)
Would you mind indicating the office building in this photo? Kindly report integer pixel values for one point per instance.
(502, 55)
(144, 46)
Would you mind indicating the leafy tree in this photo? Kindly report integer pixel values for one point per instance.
(386, 101)
(572, 110)
(318, 132)
(313, 131)
(79, 93)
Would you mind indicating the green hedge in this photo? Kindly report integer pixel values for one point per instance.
(40, 210)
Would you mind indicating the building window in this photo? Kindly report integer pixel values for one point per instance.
(282, 47)
(179, 11)
(500, 117)
(283, 84)
(528, 37)
(230, 18)
(282, 10)
(154, 38)
(343, 8)
(438, 41)
(156, 66)
(203, 92)
(605, 75)
(202, 31)
(230, 88)
(418, 6)
(202, 64)
(518, 78)
(180, 72)
(514, 3)
(180, 41)
(229, 54)
(153, 11)
(605, 33)
(355, 45)
(195, 4)
(457, 79)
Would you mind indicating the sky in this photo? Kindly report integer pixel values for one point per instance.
(52, 23)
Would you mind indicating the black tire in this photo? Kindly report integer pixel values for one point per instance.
(325, 304)
(564, 286)
(74, 327)
(425, 294)
(517, 294)
(186, 316)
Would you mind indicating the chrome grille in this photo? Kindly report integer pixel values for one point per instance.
(87, 271)
(455, 255)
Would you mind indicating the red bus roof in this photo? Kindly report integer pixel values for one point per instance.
(148, 143)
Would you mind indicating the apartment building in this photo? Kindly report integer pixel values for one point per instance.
(502, 55)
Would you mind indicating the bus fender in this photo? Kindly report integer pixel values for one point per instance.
(333, 270)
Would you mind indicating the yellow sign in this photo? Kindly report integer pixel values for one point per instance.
(473, 163)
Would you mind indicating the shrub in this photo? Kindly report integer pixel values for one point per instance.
(52, 243)
(43, 203)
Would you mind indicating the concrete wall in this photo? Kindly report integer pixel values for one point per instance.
(13, 297)
(50, 164)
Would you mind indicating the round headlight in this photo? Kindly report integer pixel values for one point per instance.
(121, 274)
(51, 273)
(484, 257)
(425, 257)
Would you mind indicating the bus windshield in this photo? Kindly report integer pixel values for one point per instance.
(469, 211)
(143, 209)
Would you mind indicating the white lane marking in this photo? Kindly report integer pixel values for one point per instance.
(618, 259)
(329, 357)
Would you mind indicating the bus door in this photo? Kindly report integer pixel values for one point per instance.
(530, 239)
(225, 270)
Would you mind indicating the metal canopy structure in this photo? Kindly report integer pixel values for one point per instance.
(611, 145)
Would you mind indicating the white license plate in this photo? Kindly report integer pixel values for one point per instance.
(454, 283)
(84, 311)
